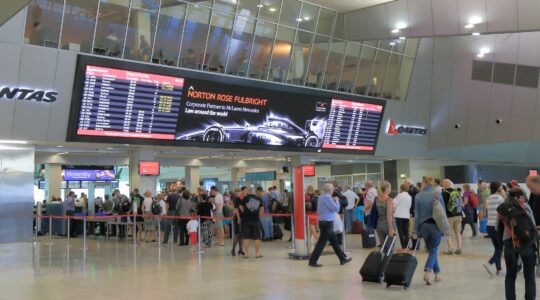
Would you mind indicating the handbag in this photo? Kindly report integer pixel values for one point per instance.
(439, 215)
(483, 226)
(338, 224)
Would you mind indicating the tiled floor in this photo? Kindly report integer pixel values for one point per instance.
(118, 270)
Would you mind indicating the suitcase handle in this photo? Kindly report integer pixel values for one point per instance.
(410, 243)
(391, 245)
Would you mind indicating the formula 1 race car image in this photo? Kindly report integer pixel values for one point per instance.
(274, 131)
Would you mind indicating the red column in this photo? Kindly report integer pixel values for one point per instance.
(299, 206)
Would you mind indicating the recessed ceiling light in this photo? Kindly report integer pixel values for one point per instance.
(402, 37)
(13, 142)
(272, 9)
(307, 18)
(475, 20)
(395, 31)
(299, 19)
(260, 6)
(480, 55)
(469, 26)
(60, 146)
(476, 33)
(401, 25)
(485, 50)
(392, 43)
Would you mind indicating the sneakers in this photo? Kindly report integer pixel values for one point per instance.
(449, 252)
(346, 261)
(314, 265)
(489, 269)
(458, 251)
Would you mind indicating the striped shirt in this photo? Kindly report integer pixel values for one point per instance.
(492, 202)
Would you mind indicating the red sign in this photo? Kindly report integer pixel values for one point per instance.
(533, 172)
(150, 168)
(392, 130)
(309, 171)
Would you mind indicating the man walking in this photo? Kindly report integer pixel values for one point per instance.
(327, 207)
(251, 210)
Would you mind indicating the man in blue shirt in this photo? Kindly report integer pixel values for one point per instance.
(327, 207)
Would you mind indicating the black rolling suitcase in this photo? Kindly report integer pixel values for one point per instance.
(375, 264)
(400, 269)
(368, 238)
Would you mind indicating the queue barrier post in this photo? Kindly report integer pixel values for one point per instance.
(159, 231)
(36, 231)
(50, 230)
(199, 228)
(68, 231)
(84, 234)
(232, 229)
(292, 232)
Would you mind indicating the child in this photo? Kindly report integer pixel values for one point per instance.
(192, 227)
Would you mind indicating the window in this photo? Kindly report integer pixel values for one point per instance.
(319, 53)
(79, 24)
(392, 76)
(240, 46)
(218, 40)
(308, 17)
(141, 30)
(194, 39)
(248, 8)
(281, 54)
(43, 22)
(350, 67)
(290, 13)
(169, 32)
(366, 66)
(334, 64)
(226, 5)
(504, 73)
(300, 58)
(262, 49)
(379, 72)
(270, 10)
(111, 27)
(404, 78)
(482, 70)
(327, 19)
(527, 76)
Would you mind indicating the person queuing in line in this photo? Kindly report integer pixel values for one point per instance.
(512, 251)
(218, 214)
(311, 212)
(437, 185)
(149, 221)
(251, 211)
(192, 226)
(369, 201)
(136, 200)
(183, 208)
(204, 210)
(327, 208)
(352, 202)
(237, 222)
(161, 199)
(413, 191)
(402, 213)
(470, 203)
(69, 205)
(492, 202)
(386, 226)
(266, 221)
(453, 213)
(425, 227)
(172, 202)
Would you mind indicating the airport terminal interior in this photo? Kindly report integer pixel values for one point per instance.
(269, 149)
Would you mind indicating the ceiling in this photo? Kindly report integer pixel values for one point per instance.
(348, 5)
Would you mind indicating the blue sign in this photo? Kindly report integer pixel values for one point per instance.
(89, 175)
(261, 176)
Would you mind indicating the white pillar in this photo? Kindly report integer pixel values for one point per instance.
(193, 178)
(53, 181)
(143, 183)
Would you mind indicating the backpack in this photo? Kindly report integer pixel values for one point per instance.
(517, 223)
(125, 205)
(275, 206)
(455, 203)
(156, 208)
(474, 200)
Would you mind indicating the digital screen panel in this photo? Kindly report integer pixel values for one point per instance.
(151, 105)
(88, 175)
(150, 168)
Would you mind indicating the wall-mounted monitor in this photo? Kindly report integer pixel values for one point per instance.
(88, 175)
(125, 102)
(149, 168)
(309, 171)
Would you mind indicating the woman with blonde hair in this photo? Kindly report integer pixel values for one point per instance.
(149, 221)
(311, 199)
(386, 226)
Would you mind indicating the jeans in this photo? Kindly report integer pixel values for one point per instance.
(528, 257)
(403, 231)
(432, 236)
(470, 220)
(327, 235)
(168, 223)
(497, 244)
(267, 227)
(348, 222)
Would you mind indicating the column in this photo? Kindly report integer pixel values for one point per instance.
(143, 183)
(192, 178)
(53, 181)
(234, 178)
(300, 234)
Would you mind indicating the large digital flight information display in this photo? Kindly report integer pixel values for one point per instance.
(124, 105)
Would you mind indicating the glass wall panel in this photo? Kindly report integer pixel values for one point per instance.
(333, 67)
(281, 54)
(240, 46)
(400, 45)
(141, 29)
(412, 47)
(392, 76)
(43, 22)
(194, 39)
(379, 71)
(226, 5)
(169, 32)
(249, 8)
(319, 53)
(79, 24)
(404, 78)
(386, 45)
(327, 19)
(365, 68)
(262, 49)
(290, 13)
(270, 10)
(308, 17)
(218, 40)
(350, 67)
(111, 27)
(300, 58)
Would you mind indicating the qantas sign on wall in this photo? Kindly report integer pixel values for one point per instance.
(15, 93)
(399, 129)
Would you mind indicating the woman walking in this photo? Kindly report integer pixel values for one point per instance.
(402, 214)
(386, 227)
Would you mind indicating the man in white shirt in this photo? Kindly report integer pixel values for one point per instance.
(352, 201)
(218, 213)
(371, 194)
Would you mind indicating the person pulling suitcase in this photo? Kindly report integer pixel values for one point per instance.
(401, 268)
(375, 264)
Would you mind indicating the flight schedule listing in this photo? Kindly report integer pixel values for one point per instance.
(352, 125)
(121, 103)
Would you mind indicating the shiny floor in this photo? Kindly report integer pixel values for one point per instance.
(120, 270)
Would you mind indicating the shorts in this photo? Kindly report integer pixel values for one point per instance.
(193, 238)
(251, 230)
(218, 223)
(455, 223)
(312, 219)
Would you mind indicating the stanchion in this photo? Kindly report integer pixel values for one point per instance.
(199, 228)
(134, 232)
(232, 230)
(50, 230)
(159, 231)
(292, 232)
(68, 232)
(36, 231)
(84, 234)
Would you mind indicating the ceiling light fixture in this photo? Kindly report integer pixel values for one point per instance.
(395, 31)
(480, 55)
(392, 43)
(13, 142)
(60, 146)
(475, 20)
(402, 37)
(469, 26)
(299, 20)
(476, 33)
(272, 9)
(307, 18)
(260, 6)
(10, 148)
(401, 25)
